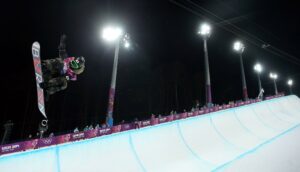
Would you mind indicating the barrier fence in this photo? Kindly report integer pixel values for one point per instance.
(44, 142)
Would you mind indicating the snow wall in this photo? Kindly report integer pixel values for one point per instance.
(211, 142)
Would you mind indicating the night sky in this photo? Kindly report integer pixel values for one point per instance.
(162, 71)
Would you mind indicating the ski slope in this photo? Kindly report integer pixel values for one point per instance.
(263, 136)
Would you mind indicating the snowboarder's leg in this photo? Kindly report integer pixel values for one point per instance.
(56, 84)
(52, 68)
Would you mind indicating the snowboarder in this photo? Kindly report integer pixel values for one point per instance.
(58, 71)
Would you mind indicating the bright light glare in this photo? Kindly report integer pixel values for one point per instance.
(290, 82)
(204, 29)
(111, 33)
(238, 46)
(273, 75)
(258, 68)
(126, 44)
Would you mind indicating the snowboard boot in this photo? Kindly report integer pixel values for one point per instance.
(42, 85)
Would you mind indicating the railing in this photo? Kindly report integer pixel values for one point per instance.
(45, 142)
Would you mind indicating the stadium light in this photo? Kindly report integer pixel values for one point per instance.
(205, 31)
(290, 84)
(111, 34)
(126, 44)
(126, 41)
(239, 48)
(117, 36)
(258, 68)
(274, 76)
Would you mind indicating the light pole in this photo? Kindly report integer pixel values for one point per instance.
(290, 84)
(115, 35)
(258, 69)
(7, 131)
(205, 32)
(239, 48)
(274, 77)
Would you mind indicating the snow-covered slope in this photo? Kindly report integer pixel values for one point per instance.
(263, 136)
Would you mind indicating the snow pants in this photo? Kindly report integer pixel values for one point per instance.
(54, 79)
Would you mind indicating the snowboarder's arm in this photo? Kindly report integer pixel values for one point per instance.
(62, 47)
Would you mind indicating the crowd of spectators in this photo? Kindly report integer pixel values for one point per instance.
(136, 122)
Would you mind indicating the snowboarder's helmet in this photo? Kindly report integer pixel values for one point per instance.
(74, 64)
(77, 65)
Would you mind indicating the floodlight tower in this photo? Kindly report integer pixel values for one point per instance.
(117, 36)
(258, 69)
(274, 76)
(239, 48)
(290, 84)
(204, 32)
(7, 131)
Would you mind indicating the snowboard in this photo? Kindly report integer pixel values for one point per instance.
(38, 76)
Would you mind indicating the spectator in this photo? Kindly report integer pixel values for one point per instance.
(97, 126)
(86, 128)
(136, 124)
(152, 116)
(91, 127)
(30, 136)
(51, 135)
(76, 130)
(197, 104)
(103, 125)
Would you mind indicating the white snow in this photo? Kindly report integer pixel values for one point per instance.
(258, 137)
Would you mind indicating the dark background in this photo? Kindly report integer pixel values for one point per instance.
(166, 57)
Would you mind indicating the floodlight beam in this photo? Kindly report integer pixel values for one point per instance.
(274, 76)
(258, 68)
(111, 34)
(238, 47)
